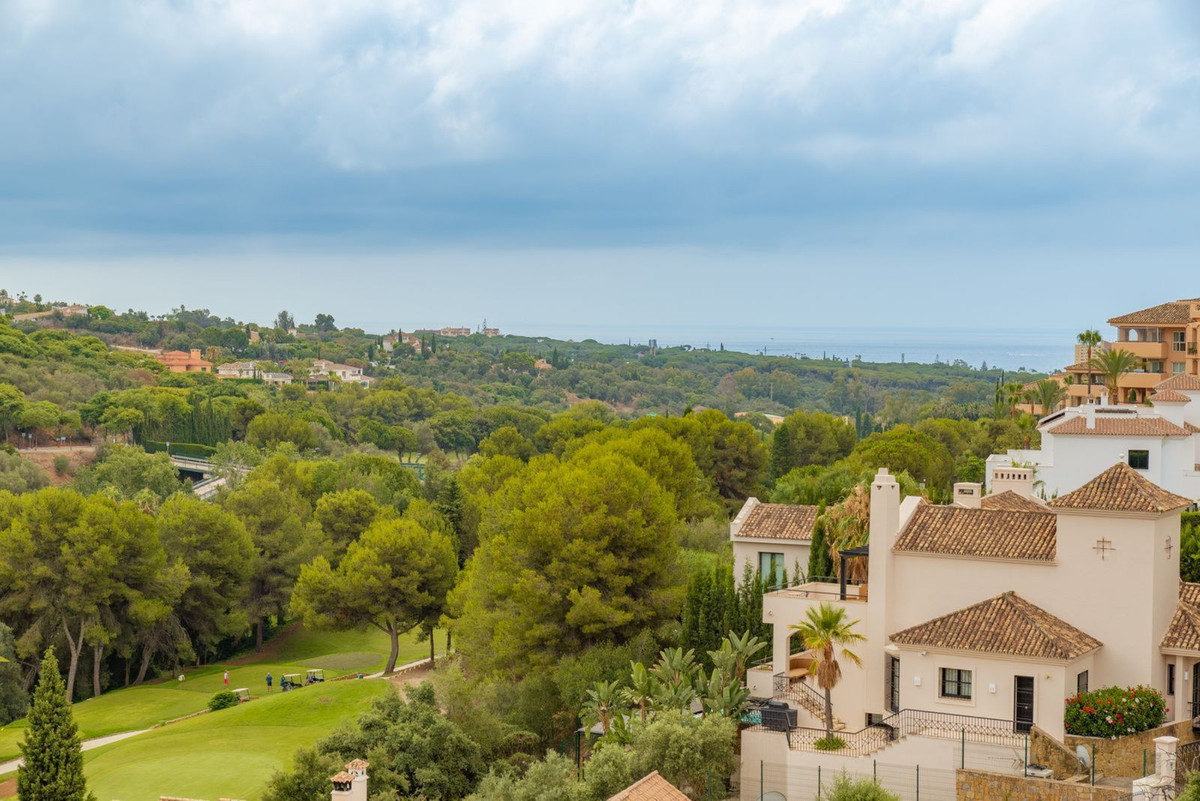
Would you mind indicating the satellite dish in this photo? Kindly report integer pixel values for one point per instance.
(773, 796)
(1085, 759)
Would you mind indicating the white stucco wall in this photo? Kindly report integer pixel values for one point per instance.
(746, 551)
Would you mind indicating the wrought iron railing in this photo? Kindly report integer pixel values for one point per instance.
(791, 689)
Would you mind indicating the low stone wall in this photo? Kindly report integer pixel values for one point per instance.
(978, 785)
(1124, 756)
(1044, 749)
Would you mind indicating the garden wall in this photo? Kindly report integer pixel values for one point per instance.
(977, 785)
(1124, 756)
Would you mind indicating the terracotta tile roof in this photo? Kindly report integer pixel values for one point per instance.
(1184, 629)
(1010, 501)
(358, 764)
(1113, 425)
(1120, 488)
(650, 788)
(780, 521)
(1184, 382)
(1080, 367)
(1173, 313)
(1006, 624)
(982, 533)
(1169, 396)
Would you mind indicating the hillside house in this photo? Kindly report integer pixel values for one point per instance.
(346, 373)
(1161, 441)
(238, 370)
(772, 538)
(178, 361)
(990, 612)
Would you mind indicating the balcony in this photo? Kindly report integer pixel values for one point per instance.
(1144, 350)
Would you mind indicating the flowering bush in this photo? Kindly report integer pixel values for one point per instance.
(1114, 711)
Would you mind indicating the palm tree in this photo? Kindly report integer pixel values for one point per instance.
(640, 692)
(1112, 364)
(1011, 396)
(826, 632)
(848, 525)
(1048, 394)
(601, 701)
(1091, 338)
(736, 652)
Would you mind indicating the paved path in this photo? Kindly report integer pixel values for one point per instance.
(88, 745)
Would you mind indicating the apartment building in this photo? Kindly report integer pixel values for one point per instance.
(1164, 338)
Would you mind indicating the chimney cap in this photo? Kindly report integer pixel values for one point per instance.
(357, 764)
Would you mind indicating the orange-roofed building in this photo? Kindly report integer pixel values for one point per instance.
(178, 361)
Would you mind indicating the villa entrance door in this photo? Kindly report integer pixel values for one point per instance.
(1023, 703)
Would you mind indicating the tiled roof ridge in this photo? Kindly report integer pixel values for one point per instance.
(1052, 643)
(1024, 608)
(1121, 488)
(1185, 382)
(1172, 311)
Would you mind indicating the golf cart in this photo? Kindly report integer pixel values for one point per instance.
(289, 681)
(314, 675)
(243, 694)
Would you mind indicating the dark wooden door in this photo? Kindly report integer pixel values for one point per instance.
(1023, 703)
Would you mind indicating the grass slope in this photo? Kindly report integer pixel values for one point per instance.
(292, 651)
(228, 754)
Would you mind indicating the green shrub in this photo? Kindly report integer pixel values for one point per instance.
(846, 789)
(192, 449)
(222, 700)
(830, 743)
(1114, 711)
(62, 464)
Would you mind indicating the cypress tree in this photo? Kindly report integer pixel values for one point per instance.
(53, 767)
(819, 562)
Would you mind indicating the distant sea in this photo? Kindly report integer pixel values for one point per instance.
(1042, 350)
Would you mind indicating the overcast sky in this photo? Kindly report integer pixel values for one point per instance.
(813, 162)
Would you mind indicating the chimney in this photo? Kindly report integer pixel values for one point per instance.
(351, 784)
(195, 353)
(885, 509)
(968, 494)
(1017, 479)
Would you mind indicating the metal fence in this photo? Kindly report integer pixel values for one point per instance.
(804, 782)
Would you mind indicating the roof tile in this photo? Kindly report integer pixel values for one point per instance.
(1128, 425)
(1169, 396)
(780, 521)
(983, 533)
(1173, 313)
(1120, 488)
(1009, 501)
(1006, 624)
(651, 787)
(1184, 382)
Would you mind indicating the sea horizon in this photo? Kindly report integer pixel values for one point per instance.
(1038, 350)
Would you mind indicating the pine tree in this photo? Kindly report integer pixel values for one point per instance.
(53, 767)
(782, 458)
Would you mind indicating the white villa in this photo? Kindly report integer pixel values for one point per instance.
(346, 372)
(989, 613)
(773, 538)
(1160, 441)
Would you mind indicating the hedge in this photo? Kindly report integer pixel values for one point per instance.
(192, 449)
(1114, 711)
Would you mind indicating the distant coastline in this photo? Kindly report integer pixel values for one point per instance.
(1043, 350)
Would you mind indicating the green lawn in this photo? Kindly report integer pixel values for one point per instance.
(142, 707)
(226, 754)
